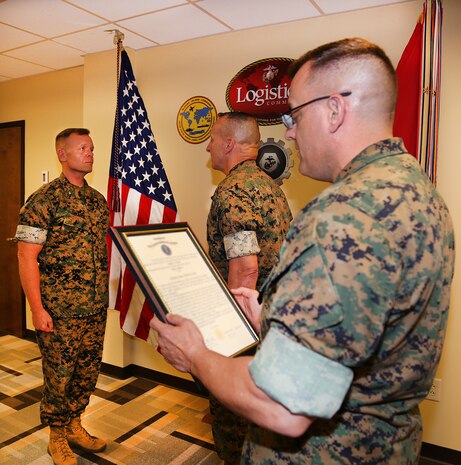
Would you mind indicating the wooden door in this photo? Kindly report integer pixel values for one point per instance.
(12, 301)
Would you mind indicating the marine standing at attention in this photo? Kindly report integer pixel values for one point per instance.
(63, 269)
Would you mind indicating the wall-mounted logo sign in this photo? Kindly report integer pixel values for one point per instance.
(195, 119)
(261, 89)
(275, 159)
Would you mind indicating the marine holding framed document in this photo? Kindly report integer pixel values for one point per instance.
(176, 276)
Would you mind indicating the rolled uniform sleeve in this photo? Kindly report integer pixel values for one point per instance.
(30, 234)
(34, 218)
(303, 381)
(239, 223)
(240, 244)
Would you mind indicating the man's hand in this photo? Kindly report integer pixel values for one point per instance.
(180, 341)
(248, 301)
(42, 320)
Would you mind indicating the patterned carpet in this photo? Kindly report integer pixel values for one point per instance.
(142, 421)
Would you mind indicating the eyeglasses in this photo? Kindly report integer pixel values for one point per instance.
(286, 117)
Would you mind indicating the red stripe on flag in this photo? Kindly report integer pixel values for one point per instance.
(142, 330)
(127, 287)
(169, 215)
(145, 204)
(124, 197)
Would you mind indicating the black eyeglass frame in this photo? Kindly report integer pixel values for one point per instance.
(286, 117)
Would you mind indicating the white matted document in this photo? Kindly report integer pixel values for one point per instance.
(176, 276)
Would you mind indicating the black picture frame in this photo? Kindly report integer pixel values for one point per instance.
(169, 242)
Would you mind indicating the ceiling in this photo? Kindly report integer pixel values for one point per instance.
(37, 36)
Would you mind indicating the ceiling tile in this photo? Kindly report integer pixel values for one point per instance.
(12, 68)
(55, 33)
(119, 9)
(49, 18)
(98, 40)
(335, 6)
(258, 12)
(174, 25)
(49, 54)
(11, 37)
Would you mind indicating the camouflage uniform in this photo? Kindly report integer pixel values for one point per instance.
(247, 200)
(249, 215)
(71, 224)
(354, 316)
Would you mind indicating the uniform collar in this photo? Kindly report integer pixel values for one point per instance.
(382, 149)
(72, 189)
(241, 163)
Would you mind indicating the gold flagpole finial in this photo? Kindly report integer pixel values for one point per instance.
(118, 35)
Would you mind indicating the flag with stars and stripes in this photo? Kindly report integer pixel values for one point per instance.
(138, 193)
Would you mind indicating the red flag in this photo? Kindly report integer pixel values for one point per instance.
(407, 122)
(138, 193)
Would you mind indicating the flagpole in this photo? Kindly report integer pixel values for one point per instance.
(115, 199)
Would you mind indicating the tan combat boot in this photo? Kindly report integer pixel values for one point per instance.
(78, 436)
(59, 448)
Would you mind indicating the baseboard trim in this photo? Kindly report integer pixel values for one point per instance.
(153, 375)
(440, 454)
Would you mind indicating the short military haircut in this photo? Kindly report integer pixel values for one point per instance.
(242, 125)
(63, 135)
(336, 51)
(328, 55)
(239, 116)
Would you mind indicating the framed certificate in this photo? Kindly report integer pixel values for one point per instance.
(176, 276)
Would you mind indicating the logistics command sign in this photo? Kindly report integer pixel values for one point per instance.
(261, 89)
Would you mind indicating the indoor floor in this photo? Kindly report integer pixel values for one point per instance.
(142, 421)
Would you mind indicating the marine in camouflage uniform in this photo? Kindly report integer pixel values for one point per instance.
(249, 215)
(64, 272)
(363, 284)
(355, 311)
(71, 224)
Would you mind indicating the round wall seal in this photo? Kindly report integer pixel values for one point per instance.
(195, 119)
(275, 159)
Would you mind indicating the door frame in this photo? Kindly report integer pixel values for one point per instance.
(21, 124)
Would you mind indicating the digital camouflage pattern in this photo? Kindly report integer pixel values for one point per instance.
(71, 223)
(364, 279)
(71, 360)
(246, 200)
(229, 431)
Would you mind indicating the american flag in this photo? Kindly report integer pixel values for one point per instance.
(138, 193)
